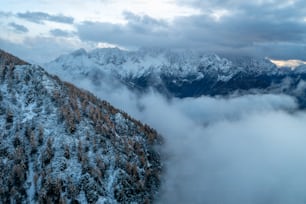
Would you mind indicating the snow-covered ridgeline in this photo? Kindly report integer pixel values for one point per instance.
(157, 61)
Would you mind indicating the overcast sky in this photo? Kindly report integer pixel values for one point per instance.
(40, 30)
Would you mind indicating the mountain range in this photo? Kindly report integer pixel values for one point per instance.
(181, 73)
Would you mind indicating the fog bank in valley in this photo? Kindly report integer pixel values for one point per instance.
(246, 149)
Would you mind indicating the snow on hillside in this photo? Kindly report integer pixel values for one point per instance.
(60, 144)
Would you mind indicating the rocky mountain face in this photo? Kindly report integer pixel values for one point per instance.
(181, 73)
(60, 144)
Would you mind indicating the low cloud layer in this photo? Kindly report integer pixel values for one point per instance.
(246, 149)
(249, 149)
(258, 159)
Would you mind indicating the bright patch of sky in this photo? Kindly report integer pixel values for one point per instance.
(288, 63)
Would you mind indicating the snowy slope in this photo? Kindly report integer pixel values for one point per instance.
(60, 144)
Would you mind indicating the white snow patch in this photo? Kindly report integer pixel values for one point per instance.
(28, 113)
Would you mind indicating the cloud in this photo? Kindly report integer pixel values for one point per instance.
(275, 29)
(40, 17)
(258, 21)
(60, 33)
(242, 149)
(18, 27)
(139, 31)
(288, 63)
(257, 159)
(247, 149)
(144, 23)
(5, 14)
(277, 6)
(41, 49)
(254, 28)
(285, 51)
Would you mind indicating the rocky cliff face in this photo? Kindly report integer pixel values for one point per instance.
(60, 144)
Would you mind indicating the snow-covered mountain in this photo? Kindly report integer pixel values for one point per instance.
(60, 144)
(180, 73)
(136, 64)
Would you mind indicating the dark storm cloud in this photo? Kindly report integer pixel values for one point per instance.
(239, 33)
(256, 27)
(60, 33)
(18, 27)
(262, 17)
(40, 17)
